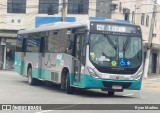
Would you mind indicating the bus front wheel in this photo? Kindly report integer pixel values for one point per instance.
(31, 81)
(69, 89)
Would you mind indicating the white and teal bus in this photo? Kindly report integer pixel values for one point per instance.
(104, 55)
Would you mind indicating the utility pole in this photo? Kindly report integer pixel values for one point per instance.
(134, 18)
(146, 67)
(64, 3)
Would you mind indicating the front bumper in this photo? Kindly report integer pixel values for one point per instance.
(90, 82)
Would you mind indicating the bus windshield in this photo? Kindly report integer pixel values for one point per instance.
(115, 51)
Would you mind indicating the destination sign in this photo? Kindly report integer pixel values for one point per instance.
(111, 28)
(114, 28)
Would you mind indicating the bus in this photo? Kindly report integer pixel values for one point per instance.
(106, 55)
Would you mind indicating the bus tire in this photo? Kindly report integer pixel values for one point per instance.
(31, 81)
(69, 89)
(111, 93)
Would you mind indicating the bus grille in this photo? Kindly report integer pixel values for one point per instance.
(110, 84)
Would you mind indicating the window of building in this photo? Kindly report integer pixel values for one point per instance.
(19, 21)
(126, 13)
(142, 19)
(78, 6)
(16, 6)
(12, 21)
(48, 6)
(147, 20)
(126, 16)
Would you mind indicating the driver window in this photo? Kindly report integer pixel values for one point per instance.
(78, 43)
(80, 47)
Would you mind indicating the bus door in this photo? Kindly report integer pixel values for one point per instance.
(78, 53)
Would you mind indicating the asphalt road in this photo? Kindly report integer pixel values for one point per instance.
(14, 89)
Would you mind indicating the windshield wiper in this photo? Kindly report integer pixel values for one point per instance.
(104, 55)
(110, 41)
(125, 45)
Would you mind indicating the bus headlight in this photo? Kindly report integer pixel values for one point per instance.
(92, 72)
(139, 75)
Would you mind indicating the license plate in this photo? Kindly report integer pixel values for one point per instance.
(116, 87)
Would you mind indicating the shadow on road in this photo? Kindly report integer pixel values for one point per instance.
(97, 94)
(78, 92)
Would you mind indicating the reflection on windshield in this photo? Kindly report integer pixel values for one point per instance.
(115, 51)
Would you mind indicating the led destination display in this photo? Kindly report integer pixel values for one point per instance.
(114, 28)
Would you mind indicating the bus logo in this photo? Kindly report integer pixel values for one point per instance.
(117, 77)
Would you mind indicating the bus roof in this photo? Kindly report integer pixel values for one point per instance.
(63, 25)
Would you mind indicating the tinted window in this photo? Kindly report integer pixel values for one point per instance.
(33, 43)
(78, 6)
(19, 43)
(58, 41)
(48, 6)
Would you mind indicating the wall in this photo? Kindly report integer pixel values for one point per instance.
(103, 9)
(121, 4)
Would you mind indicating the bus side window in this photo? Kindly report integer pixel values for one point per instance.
(24, 45)
(70, 44)
(33, 42)
(70, 47)
(42, 45)
(19, 43)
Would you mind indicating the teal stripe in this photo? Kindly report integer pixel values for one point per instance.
(42, 74)
(20, 67)
(88, 81)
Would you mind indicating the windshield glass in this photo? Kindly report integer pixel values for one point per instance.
(115, 51)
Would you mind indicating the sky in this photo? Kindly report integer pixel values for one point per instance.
(158, 1)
